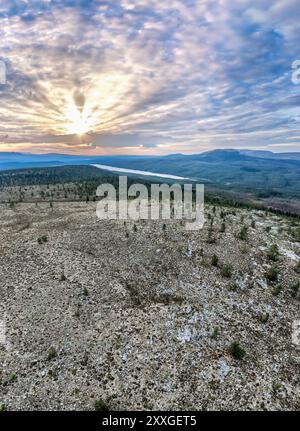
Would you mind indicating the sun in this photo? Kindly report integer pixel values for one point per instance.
(77, 122)
(78, 127)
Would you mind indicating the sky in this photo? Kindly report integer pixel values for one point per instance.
(149, 76)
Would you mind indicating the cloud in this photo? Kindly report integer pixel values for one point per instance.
(149, 76)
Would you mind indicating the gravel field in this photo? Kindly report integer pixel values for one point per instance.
(142, 315)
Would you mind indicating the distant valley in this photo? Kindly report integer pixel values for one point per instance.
(261, 173)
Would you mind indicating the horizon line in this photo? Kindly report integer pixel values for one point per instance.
(147, 155)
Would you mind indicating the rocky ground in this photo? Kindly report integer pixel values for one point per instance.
(98, 314)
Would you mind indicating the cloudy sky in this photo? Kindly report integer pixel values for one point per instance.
(149, 76)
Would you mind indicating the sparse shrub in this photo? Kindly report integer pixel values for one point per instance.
(295, 289)
(77, 313)
(62, 277)
(253, 224)
(272, 274)
(244, 249)
(101, 406)
(233, 287)
(243, 233)
(3, 408)
(237, 351)
(84, 360)
(277, 289)
(215, 333)
(297, 267)
(276, 387)
(134, 228)
(13, 378)
(273, 252)
(210, 238)
(268, 229)
(265, 318)
(42, 239)
(215, 260)
(85, 291)
(53, 374)
(226, 270)
(51, 354)
(296, 234)
(223, 227)
(134, 293)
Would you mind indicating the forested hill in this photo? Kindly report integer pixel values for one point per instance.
(262, 173)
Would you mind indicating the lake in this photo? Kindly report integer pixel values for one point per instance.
(137, 172)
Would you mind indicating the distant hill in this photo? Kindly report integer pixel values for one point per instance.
(270, 154)
(263, 173)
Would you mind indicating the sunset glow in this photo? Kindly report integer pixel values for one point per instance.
(131, 77)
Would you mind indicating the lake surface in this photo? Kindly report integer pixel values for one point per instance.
(136, 172)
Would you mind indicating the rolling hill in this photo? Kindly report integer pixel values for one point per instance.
(265, 174)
